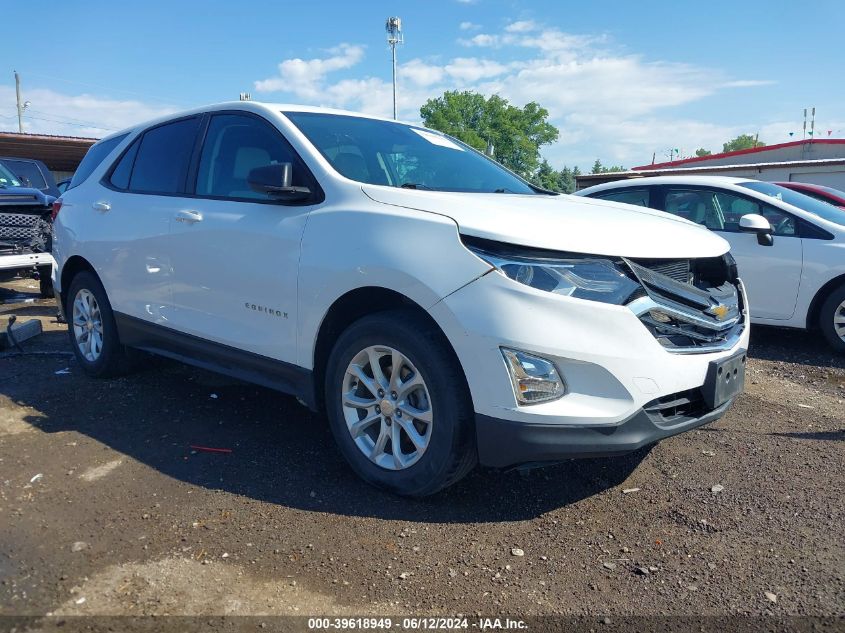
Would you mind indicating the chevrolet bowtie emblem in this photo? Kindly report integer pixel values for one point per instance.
(719, 311)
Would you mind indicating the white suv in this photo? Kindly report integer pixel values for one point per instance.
(439, 309)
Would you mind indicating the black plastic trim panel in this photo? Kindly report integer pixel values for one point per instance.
(223, 359)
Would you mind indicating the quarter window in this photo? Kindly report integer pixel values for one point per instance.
(95, 155)
(235, 145)
(163, 157)
(639, 197)
(123, 170)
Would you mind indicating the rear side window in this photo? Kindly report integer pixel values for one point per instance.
(28, 173)
(638, 197)
(163, 156)
(96, 153)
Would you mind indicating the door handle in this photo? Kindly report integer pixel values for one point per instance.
(189, 217)
(102, 207)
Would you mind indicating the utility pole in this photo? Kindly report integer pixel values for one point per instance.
(394, 37)
(20, 105)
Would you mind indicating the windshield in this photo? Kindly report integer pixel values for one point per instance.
(7, 179)
(822, 209)
(399, 155)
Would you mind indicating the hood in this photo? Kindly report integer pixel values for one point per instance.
(24, 196)
(563, 223)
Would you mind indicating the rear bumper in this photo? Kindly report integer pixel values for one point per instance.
(504, 443)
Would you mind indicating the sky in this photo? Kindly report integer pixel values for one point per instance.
(623, 81)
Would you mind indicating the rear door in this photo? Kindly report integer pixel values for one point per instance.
(235, 252)
(132, 211)
(772, 274)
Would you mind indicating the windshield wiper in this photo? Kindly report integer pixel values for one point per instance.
(503, 190)
(415, 185)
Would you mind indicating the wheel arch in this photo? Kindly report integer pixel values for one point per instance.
(72, 267)
(819, 299)
(352, 306)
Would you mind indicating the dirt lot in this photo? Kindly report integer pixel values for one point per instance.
(106, 509)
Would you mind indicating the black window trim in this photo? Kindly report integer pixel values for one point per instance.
(188, 187)
(138, 138)
(317, 194)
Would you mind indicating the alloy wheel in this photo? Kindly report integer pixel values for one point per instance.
(839, 320)
(87, 324)
(387, 407)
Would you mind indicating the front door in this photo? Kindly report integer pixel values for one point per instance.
(235, 252)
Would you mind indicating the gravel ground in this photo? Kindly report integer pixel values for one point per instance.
(106, 509)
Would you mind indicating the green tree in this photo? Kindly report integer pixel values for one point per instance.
(702, 152)
(515, 134)
(546, 177)
(566, 179)
(598, 168)
(743, 141)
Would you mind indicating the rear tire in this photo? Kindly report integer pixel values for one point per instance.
(92, 329)
(832, 319)
(424, 405)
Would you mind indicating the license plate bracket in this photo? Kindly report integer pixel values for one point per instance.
(725, 379)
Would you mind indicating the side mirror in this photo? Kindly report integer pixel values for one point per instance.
(756, 223)
(275, 181)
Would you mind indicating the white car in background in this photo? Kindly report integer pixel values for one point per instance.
(789, 247)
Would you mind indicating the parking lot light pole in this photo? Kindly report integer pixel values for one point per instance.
(394, 37)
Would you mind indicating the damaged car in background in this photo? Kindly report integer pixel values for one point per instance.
(25, 232)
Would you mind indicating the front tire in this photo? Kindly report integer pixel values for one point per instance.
(832, 319)
(398, 404)
(92, 329)
(45, 282)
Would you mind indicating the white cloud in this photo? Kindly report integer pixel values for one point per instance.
(54, 112)
(747, 83)
(302, 77)
(482, 39)
(471, 69)
(521, 26)
(469, 26)
(607, 104)
(420, 73)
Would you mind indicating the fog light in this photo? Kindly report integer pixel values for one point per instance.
(534, 379)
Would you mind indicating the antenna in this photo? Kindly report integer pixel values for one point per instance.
(393, 26)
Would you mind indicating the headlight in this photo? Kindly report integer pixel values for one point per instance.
(582, 277)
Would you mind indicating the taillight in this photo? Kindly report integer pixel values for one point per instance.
(57, 206)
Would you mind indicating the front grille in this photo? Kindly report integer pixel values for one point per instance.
(690, 305)
(22, 232)
(677, 269)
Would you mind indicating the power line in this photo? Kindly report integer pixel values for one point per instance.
(89, 85)
(57, 118)
(68, 118)
(86, 125)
